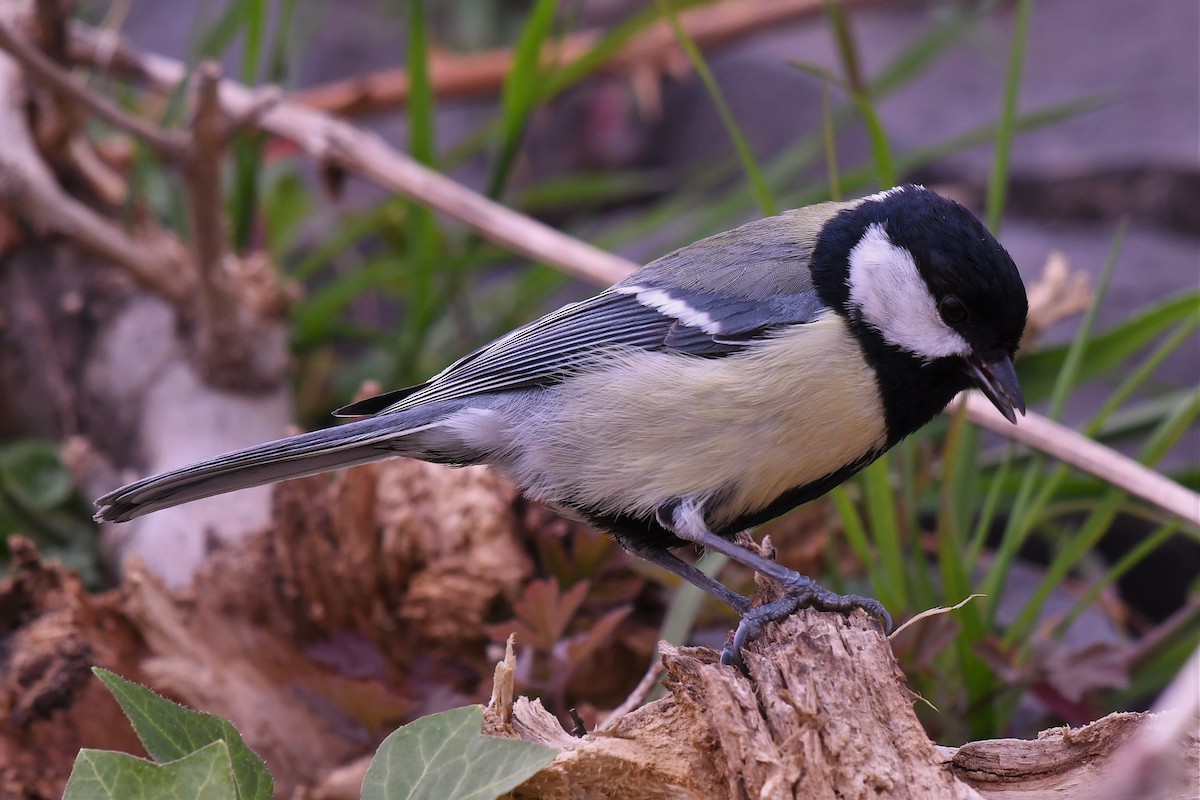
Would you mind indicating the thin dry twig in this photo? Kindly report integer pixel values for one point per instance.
(223, 343)
(338, 142)
(636, 698)
(229, 303)
(933, 612)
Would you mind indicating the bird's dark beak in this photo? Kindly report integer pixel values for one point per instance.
(996, 378)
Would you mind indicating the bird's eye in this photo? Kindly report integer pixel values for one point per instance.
(952, 310)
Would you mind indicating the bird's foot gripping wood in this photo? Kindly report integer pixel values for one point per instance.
(803, 592)
(686, 520)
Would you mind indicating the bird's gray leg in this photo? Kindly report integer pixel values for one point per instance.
(687, 522)
(673, 563)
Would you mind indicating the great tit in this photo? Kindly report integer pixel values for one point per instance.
(713, 389)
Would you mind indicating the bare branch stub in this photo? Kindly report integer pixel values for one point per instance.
(202, 173)
(229, 326)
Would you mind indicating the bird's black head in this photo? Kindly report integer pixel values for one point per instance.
(936, 301)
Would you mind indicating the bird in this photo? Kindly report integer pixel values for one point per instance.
(713, 389)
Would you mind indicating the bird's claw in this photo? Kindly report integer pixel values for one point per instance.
(802, 593)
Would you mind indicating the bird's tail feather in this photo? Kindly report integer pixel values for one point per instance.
(359, 442)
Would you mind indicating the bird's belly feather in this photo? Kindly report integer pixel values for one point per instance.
(623, 439)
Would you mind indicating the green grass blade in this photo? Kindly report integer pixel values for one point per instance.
(989, 508)
(1114, 573)
(1171, 429)
(422, 134)
(608, 45)
(1006, 126)
(1109, 349)
(255, 22)
(881, 151)
(828, 132)
(1069, 375)
(762, 192)
(247, 146)
(929, 45)
(218, 36)
(280, 58)
(520, 94)
(1021, 520)
(954, 567)
(885, 531)
(1101, 518)
(854, 530)
(1140, 375)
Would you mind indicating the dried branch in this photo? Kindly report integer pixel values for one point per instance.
(339, 143)
(363, 153)
(481, 74)
(231, 305)
(101, 179)
(1149, 764)
(1064, 763)
(29, 189)
(202, 173)
(168, 144)
(1087, 455)
(224, 347)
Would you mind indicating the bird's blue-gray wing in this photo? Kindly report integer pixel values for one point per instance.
(630, 315)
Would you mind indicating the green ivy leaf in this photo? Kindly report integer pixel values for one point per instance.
(33, 473)
(170, 732)
(206, 774)
(445, 757)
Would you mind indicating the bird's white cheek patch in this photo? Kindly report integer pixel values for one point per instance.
(893, 298)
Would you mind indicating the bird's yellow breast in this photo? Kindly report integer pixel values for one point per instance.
(642, 428)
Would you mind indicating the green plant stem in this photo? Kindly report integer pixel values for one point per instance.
(521, 91)
(1127, 562)
(881, 151)
(829, 132)
(885, 531)
(422, 134)
(1101, 518)
(1006, 126)
(762, 192)
(1028, 505)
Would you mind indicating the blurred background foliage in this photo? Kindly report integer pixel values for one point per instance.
(392, 292)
